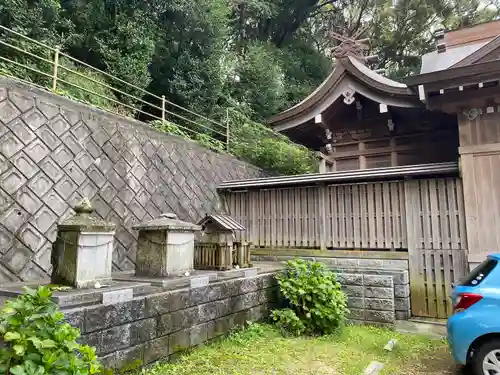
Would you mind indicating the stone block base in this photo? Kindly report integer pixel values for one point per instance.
(162, 323)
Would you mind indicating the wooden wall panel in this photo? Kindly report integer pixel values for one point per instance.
(483, 129)
(367, 216)
(480, 167)
(481, 175)
(353, 216)
(440, 218)
(431, 287)
(437, 243)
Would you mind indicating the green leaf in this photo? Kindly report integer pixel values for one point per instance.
(48, 344)
(19, 349)
(11, 336)
(17, 370)
(8, 310)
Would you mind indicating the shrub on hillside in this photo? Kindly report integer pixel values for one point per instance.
(315, 303)
(253, 143)
(37, 341)
(263, 147)
(203, 139)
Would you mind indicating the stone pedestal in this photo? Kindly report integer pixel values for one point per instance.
(165, 247)
(82, 252)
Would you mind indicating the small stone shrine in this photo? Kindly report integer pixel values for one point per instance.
(165, 247)
(82, 253)
(218, 248)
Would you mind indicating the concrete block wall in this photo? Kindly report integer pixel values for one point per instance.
(370, 297)
(157, 326)
(161, 323)
(54, 151)
(401, 286)
(397, 268)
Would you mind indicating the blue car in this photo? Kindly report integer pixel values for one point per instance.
(474, 327)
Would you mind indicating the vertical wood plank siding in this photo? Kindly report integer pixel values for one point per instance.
(352, 216)
(424, 216)
(437, 243)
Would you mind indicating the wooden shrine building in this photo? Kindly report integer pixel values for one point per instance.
(407, 168)
(359, 119)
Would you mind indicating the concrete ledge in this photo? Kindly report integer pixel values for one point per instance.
(332, 253)
(77, 297)
(421, 328)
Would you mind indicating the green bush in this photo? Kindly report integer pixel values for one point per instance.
(316, 305)
(203, 139)
(37, 341)
(88, 86)
(253, 143)
(261, 146)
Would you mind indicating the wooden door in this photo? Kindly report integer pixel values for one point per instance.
(437, 243)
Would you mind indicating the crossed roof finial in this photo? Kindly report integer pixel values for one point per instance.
(351, 45)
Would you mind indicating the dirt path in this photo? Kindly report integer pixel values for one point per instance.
(440, 363)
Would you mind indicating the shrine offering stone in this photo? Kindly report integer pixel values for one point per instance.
(82, 253)
(165, 247)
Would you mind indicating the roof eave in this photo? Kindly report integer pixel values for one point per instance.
(464, 72)
(375, 174)
(343, 67)
(333, 79)
(379, 86)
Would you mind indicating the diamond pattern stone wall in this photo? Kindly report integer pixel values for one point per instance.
(54, 151)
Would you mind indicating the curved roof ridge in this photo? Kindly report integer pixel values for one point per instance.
(320, 91)
(374, 75)
(347, 66)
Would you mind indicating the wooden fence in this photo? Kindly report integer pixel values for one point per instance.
(352, 216)
(425, 217)
(437, 243)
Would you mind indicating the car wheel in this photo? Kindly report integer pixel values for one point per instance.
(486, 359)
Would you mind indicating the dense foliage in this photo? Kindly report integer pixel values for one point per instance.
(37, 341)
(316, 303)
(254, 143)
(256, 57)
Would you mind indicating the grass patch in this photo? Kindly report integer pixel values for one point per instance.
(262, 350)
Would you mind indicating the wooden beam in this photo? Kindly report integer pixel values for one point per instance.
(362, 158)
(322, 166)
(467, 99)
(421, 93)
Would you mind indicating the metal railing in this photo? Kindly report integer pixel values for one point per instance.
(61, 69)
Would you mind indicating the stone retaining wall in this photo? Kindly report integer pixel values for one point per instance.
(161, 323)
(397, 268)
(370, 297)
(54, 151)
(154, 326)
(401, 285)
